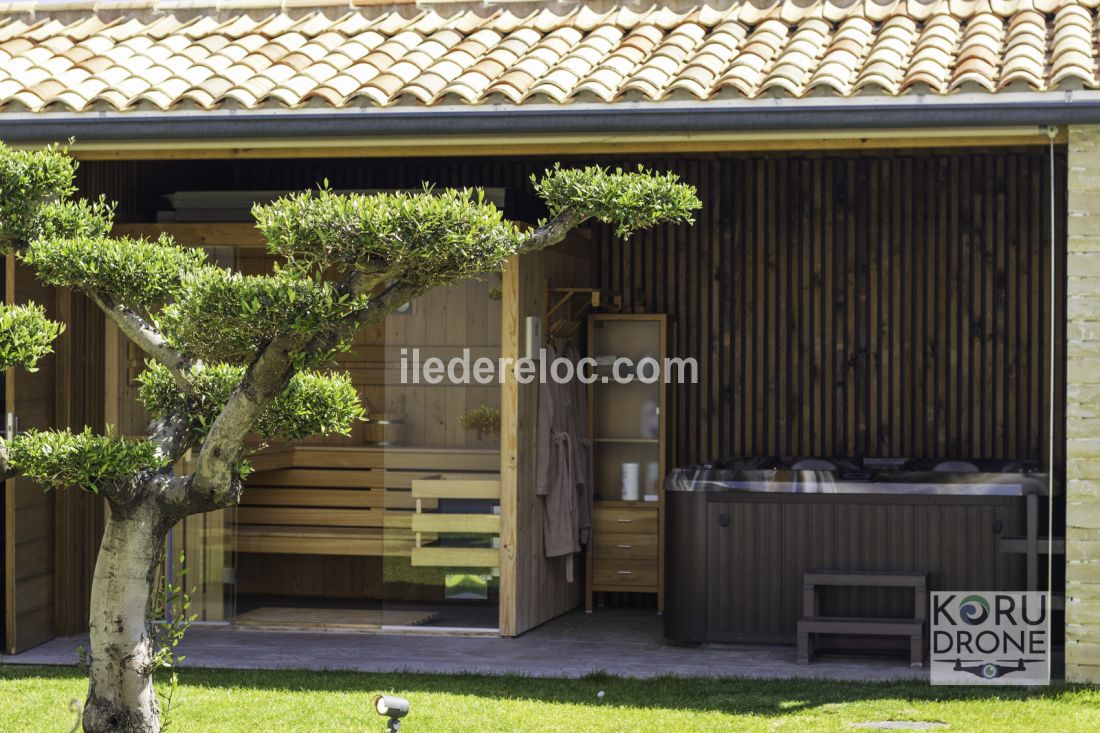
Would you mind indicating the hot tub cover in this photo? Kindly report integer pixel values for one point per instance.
(856, 477)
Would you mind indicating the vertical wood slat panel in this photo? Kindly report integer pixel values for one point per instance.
(875, 305)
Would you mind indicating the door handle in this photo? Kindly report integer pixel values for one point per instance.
(624, 520)
(723, 520)
(625, 572)
(625, 547)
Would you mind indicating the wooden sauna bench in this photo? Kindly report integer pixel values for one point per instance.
(329, 500)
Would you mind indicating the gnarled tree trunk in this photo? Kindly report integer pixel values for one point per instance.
(120, 689)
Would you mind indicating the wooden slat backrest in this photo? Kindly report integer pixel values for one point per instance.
(313, 486)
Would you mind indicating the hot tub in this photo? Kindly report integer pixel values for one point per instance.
(739, 536)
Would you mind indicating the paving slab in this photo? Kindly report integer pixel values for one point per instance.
(626, 643)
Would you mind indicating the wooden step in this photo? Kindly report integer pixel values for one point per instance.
(456, 557)
(873, 578)
(860, 626)
(448, 487)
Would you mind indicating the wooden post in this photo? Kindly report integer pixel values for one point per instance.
(1082, 447)
(509, 448)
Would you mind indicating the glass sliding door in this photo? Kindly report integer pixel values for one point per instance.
(200, 564)
(440, 431)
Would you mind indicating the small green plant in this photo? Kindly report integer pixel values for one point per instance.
(172, 604)
(484, 419)
(496, 292)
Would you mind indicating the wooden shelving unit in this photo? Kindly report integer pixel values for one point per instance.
(628, 422)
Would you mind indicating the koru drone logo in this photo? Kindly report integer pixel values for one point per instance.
(974, 610)
(990, 638)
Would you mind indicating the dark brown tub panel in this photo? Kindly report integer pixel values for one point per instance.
(735, 560)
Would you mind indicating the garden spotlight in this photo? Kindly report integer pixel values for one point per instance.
(392, 707)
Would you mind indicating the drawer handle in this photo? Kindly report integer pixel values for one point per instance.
(624, 520)
(625, 572)
(625, 547)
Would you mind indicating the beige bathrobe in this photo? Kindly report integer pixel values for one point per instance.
(563, 465)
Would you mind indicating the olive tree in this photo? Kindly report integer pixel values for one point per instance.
(230, 355)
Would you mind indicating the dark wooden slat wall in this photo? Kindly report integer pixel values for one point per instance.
(79, 517)
(839, 304)
(857, 305)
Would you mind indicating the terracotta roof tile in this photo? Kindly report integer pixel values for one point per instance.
(253, 53)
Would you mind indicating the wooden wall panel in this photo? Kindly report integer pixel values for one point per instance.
(29, 592)
(534, 588)
(840, 303)
(79, 516)
(856, 305)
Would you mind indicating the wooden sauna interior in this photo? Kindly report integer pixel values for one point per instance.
(330, 520)
(324, 533)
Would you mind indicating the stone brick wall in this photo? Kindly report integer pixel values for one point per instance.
(1083, 407)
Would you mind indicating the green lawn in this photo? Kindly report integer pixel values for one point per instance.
(35, 699)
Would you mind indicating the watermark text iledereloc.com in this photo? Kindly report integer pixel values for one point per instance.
(465, 369)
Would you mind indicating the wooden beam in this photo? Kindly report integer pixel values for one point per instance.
(464, 523)
(196, 234)
(9, 488)
(309, 516)
(455, 557)
(509, 451)
(456, 488)
(565, 144)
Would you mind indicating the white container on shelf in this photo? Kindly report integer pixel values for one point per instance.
(652, 480)
(631, 481)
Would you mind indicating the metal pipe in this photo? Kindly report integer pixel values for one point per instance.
(493, 122)
(1052, 133)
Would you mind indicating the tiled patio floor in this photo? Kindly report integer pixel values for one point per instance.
(627, 643)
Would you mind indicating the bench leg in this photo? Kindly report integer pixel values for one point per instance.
(811, 605)
(805, 647)
(916, 650)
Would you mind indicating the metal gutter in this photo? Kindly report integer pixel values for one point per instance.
(669, 119)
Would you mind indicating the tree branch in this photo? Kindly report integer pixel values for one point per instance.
(145, 335)
(6, 471)
(215, 468)
(551, 232)
(170, 433)
(214, 482)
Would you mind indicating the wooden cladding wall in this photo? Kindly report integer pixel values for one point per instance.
(838, 303)
(858, 305)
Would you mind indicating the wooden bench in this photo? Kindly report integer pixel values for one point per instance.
(813, 623)
(316, 500)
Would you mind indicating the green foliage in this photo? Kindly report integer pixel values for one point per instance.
(61, 458)
(26, 335)
(72, 218)
(314, 403)
(484, 419)
(28, 180)
(424, 239)
(172, 603)
(222, 316)
(138, 271)
(632, 201)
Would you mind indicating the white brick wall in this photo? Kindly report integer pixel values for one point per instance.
(1083, 408)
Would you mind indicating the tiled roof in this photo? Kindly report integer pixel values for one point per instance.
(180, 54)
